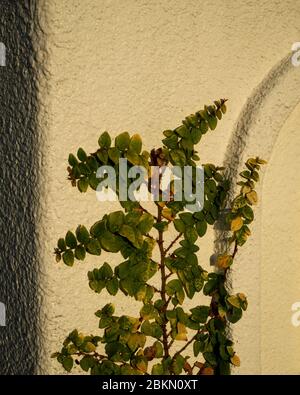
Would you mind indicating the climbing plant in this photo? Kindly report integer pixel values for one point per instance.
(156, 340)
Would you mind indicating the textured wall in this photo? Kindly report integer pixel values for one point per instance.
(142, 66)
(280, 253)
(20, 152)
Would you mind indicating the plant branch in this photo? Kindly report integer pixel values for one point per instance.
(235, 249)
(189, 342)
(163, 284)
(146, 211)
(173, 242)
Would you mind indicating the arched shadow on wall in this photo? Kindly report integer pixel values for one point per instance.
(255, 133)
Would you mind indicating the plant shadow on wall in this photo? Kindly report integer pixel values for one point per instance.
(145, 344)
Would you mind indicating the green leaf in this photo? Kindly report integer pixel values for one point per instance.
(81, 154)
(88, 347)
(128, 232)
(122, 141)
(200, 314)
(86, 363)
(112, 286)
(104, 140)
(174, 287)
(61, 244)
(161, 226)
(248, 213)
(136, 143)
(190, 234)
(82, 234)
(246, 174)
(68, 258)
(179, 225)
(132, 218)
(98, 229)
(151, 329)
(182, 131)
(146, 223)
(187, 218)
(157, 369)
(115, 221)
(178, 157)
(196, 135)
(105, 271)
(71, 240)
(239, 202)
(203, 127)
(67, 363)
(110, 242)
(201, 228)
(210, 286)
(187, 144)
(198, 283)
(171, 142)
(177, 364)
(140, 363)
(210, 358)
(83, 184)
(235, 315)
(114, 154)
(102, 155)
(136, 340)
(72, 160)
(255, 176)
(212, 122)
(93, 247)
(80, 253)
(148, 312)
(197, 347)
(97, 285)
(93, 181)
(92, 163)
(159, 350)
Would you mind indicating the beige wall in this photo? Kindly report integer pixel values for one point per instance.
(142, 66)
(280, 253)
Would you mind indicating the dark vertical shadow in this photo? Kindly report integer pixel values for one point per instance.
(19, 188)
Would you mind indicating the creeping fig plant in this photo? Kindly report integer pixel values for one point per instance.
(146, 343)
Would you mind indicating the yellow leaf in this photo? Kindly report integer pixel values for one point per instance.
(167, 213)
(236, 224)
(235, 360)
(245, 189)
(234, 301)
(242, 296)
(181, 332)
(221, 311)
(224, 261)
(252, 197)
(133, 157)
(261, 161)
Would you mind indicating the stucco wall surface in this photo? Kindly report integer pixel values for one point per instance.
(142, 66)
